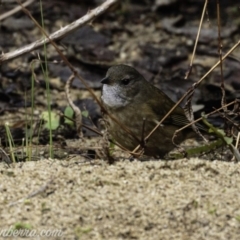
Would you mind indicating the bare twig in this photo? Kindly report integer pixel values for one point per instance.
(5, 157)
(237, 142)
(223, 101)
(188, 105)
(15, 10)
(77, 111)
(196, 41)
(206, 115)
(90, 16)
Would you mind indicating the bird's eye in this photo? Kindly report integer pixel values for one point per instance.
(125, 81)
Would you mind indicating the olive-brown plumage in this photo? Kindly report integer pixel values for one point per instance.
(129, 98)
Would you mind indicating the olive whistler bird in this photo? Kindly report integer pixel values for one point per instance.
(131, 99)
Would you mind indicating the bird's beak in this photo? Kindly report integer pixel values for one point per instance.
(105, 80)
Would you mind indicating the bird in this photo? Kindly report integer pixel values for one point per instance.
(139, 106)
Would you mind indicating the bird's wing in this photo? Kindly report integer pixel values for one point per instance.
(160, 104)
(161, 107)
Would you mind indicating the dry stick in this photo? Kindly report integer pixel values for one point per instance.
(206, 115)
(236, 125)
(91, 15)
(223, 101)
(237, 142)
(186, 94)
(15, 10)
(196, 41)
(77, 111)
(236, 146)
(84, 19)
(5, 157)
(188, 105)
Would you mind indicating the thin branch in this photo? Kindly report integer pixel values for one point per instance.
(196, 41)
(90, 16)
(77, 111)
(223, 101)
(206, 115)
(15, 10)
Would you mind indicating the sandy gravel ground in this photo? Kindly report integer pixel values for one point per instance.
(184, 199)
